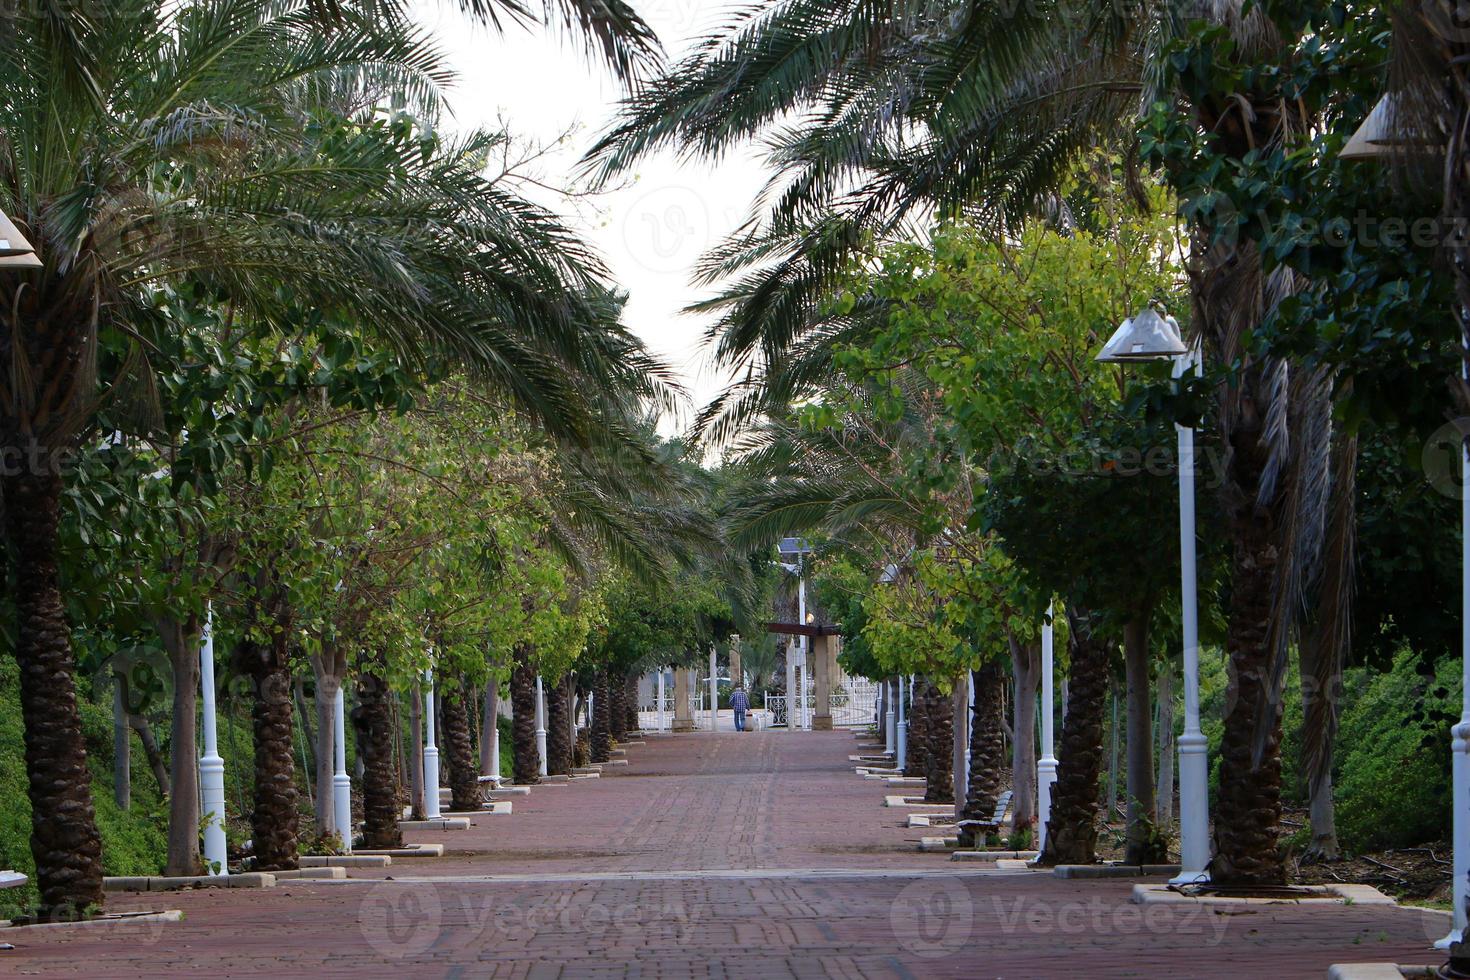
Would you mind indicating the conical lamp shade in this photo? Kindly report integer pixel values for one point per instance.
(1146, 337)
(12, 242)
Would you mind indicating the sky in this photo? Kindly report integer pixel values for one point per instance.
(649, 230)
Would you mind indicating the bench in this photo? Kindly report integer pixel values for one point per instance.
(978, 830)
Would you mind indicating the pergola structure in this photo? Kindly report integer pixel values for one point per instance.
(820, 660)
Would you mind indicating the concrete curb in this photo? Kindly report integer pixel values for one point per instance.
(1114, 870)
(111, 921)
(345, 860)
(938, 844)
(1377, 971)
(1326, 895)
(421, 851)
(1024, 857)
(164, 883)
(439, 823)
(300, 874)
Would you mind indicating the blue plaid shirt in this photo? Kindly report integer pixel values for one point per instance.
(739, 701)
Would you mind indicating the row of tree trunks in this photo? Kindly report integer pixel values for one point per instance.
(1071, 836)
(559, 726)
(939, 736)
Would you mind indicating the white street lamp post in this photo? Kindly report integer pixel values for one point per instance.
(431, 751)
(495, 733)
(540, 726)
(890, 732)
(903, 725)
(1460, 733)
(714, 692)
(341, 782)
(1046, 766)
(1194, 776)
(211, 766)
(1152, 337)
(659, 703)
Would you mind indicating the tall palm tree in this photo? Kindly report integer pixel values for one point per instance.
(875, 114)
(145, 144)
(987, 749)
(525, 765)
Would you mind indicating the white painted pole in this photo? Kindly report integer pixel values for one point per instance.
(659, 703)
(1460, 733)
(792, 722)
(963, 792)
(714, 692)
(540, 726)
(431, 751)
(903, 724)
(1046, 766)
(495, 735)
(1194, 786)
(890, 731)
(211, 766)
(341, 782)
(806, 669)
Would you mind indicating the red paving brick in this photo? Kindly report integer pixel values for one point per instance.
(756, 855)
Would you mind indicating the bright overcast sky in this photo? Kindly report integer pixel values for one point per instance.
(651, 231)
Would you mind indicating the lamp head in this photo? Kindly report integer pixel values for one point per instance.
(1145, 337)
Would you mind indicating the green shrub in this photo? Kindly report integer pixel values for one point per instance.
(1393, 759)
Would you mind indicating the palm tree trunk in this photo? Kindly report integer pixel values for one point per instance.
(630, 705)
(987, 748)
(617, 707)
(939, 734)
(1248, 813)
(180, 639)
(525, 761)
(1071, 834)
(559, 727)
(601, 718)
(464, 775)
(1142, 846)
(372, 720)
(64, 839)
(274, 823)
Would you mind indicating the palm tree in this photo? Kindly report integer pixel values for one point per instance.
(900, 109)
(939, 735)
(559, 725)
(373, 721)
(1071, 832)
(147, 144)
(987, 748)
(525, 765)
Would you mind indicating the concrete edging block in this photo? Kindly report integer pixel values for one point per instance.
(344, 861)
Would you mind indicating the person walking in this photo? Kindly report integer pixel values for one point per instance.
(741, 704)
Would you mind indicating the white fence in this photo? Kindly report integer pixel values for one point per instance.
(855, 704)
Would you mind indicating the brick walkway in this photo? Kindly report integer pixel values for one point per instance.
(756, 855)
